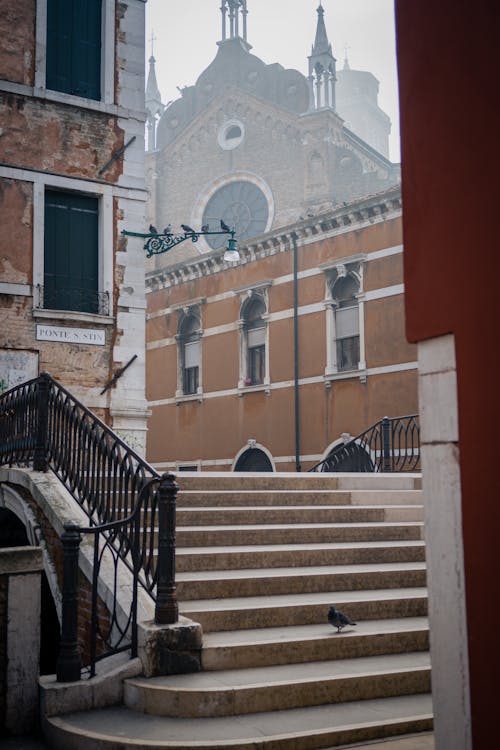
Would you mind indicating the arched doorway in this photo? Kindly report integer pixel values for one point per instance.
(253, 459)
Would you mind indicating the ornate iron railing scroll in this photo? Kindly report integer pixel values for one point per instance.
(390, 445)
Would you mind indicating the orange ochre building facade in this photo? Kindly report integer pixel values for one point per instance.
(225, 380)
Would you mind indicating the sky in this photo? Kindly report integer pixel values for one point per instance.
(281, 31)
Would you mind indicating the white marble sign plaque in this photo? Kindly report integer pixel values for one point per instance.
(65, 335)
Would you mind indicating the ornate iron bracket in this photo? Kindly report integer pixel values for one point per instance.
(162, 242)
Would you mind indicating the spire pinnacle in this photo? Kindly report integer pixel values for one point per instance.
(321, 43)
(235, 12)
(346, 60)
(152, 90)
(322, 64)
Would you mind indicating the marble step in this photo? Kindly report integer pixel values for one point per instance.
(294, 729)
(262, 647)
(304, 609)
(194, 536)
(297, 555)
(216, 498)
(232, 480)
(277, 688)
(266, 582)
(297, 514)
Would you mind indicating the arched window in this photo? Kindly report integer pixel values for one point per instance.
(189, 341)
(254, 367)
(345, 340)
(346, 306)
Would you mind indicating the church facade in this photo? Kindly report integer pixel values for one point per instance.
(256, 145)
(266, 363)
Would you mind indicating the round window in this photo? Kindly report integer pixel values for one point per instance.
(231, 134)
(241, 205)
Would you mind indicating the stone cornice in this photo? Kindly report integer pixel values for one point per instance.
(337, 220)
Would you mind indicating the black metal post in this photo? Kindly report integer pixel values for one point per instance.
(40, 453)
(166, 610)
(386, 445)
(296, 354)
(68, 662)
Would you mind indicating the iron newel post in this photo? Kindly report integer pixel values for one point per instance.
(166, 611)
(69, 663)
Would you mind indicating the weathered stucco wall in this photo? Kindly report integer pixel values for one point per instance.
(214, 427)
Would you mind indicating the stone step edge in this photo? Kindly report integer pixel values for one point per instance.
(222, 639)
(160, 684)
(362, 596)
(231, 700)
(336, 735)
(300, 571)
(292, 547)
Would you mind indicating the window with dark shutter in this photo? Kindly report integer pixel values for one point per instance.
(71, 253)
(74, 47)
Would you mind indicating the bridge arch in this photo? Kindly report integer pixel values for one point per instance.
(19, 527)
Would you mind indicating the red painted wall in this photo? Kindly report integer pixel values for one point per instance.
(448, 59)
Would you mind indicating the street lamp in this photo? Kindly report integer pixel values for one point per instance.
(161, 242)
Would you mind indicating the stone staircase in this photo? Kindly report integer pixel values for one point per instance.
(260, 559)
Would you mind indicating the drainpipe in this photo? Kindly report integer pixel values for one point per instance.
(296, 354)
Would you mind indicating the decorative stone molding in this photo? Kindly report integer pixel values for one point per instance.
(372, 209)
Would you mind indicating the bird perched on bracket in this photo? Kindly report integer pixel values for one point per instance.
(152, 229)
(205, 227)
(224, 226)
(338, 619)
(187, 229)
(168, 229)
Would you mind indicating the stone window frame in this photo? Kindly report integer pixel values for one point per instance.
(104, 194)
(185, 311)
(353, 266)
(107, 58)
(232, 143)
(247, 295)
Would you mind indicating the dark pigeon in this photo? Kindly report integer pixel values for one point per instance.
(205, 227)
(338, 619)
(187, 229)
(224, 226)
(152, 229)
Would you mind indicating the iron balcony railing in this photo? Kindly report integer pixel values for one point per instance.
(390, 445)
(72, 298)
(130, 507)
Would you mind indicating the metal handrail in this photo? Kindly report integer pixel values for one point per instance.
(390, 445)
(131, 508)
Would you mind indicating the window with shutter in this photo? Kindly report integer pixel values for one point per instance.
(74, 47)
(254, 340)
(71, 252)
(189, 354)
(347, 341)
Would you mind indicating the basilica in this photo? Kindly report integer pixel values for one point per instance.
(261, 146)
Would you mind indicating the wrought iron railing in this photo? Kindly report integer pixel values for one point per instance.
(72, 298)
(131, 508)
(390, 445)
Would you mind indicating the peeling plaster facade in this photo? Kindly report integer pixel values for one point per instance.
(56, 141)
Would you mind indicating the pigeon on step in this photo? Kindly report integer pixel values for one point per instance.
(338, 619)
